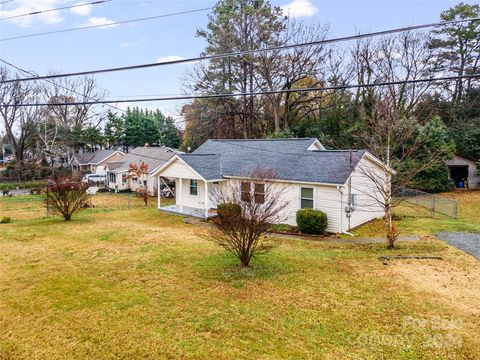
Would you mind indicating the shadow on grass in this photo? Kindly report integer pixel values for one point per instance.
(226, 267)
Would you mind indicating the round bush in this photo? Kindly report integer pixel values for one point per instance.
(311, 221)
(228, 210)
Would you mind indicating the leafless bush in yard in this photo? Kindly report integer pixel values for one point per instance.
(246, 209)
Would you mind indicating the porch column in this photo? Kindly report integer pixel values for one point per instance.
(206, 199)
(158, 191)
(179, 195)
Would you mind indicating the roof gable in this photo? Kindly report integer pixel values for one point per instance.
(95, 157)
(154, 157)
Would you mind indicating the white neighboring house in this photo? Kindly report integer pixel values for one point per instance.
(329, 180)
(95, 162)
(118, 172)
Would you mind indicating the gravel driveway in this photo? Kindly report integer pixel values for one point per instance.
(468, 242)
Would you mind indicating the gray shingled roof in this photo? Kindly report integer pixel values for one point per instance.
(289, 159)
(95, 157)
(152, 156)
(114, 165)
(296, 145)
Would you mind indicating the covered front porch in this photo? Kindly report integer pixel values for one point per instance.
(194, 190)
(188, 211)
(192, 198)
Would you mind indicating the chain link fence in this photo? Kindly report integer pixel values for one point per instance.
(433, 203)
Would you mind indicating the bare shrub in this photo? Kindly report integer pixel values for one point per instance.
(247, 208)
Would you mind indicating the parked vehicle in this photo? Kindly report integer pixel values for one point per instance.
(94, 179)
(167, 193)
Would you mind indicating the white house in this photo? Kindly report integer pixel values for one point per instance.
(331, 181)
(118, 178)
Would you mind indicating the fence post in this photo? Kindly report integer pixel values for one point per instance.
(433, 205)
(455, 208)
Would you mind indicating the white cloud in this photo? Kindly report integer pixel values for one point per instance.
(96, 21)
(128, 44)
(81, 10)
(20, 7)
(299, 8)
(169, 58)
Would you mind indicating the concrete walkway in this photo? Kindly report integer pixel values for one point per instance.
(325, 239)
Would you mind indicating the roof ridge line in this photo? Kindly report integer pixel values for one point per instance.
(279, 139)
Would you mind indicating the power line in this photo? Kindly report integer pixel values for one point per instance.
(4, 2)
(52, 82)
(265, 92)
(106, 24)
(56, 9)
(246, 52)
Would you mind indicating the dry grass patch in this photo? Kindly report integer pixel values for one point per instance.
(142, 284)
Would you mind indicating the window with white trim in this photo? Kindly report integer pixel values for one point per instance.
(306, 198)
(259, 193)
(245, 191)
(193, 187)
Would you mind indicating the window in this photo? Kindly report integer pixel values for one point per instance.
(259, 194)
(353, 202)
(246, 187)
(306, 198)
(113, 177)
(124, 179)
(193, 187)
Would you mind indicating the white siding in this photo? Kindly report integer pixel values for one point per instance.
(117, 185)
(326, 199)
(194, 201)
(178, 169)
(368, 197)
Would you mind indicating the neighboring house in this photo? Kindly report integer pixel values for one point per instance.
(327, 180)
(118, 178)
(464, 172)
(97, 160)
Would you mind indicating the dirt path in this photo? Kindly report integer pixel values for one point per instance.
(455, 286)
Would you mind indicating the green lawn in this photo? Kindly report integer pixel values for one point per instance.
(130, 282)
(416, 220)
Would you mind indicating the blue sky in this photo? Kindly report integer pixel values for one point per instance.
(170, 37)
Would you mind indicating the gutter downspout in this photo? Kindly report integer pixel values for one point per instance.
(340, 189)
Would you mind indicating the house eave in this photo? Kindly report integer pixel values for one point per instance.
(288, 181)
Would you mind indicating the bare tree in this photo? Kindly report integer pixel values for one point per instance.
(19, 121)
(61, 122)
(405, 149)
(406, 56)
(246, 210)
